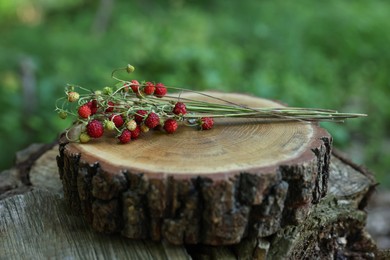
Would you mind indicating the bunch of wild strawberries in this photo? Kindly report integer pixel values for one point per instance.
(129, 110)
(133, 108)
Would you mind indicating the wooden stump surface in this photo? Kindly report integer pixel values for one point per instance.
(38, 224)
(232, 146)
(214, 187)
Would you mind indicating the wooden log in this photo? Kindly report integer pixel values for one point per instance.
(37, 225)
(211, 187)
(335, 227)
(17, 179)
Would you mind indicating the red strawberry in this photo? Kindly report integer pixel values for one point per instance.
(110, 107)
(152, 120)
(117, 119)
(160, 90)
(206, 123)
(84, 111)
(93, 105)
(125, 136)
(170, 126)
(149, 88)
(135, 85)
(140, 115)
(180, 109)
(135, 133)
(95, 129)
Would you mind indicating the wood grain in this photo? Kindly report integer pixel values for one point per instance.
(37, 226)
(233, 146)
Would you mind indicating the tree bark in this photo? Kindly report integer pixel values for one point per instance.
(212, 187)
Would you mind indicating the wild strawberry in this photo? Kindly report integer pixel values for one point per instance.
(107, 90)
(135, 133)
(93, 105)
(73, 96)
(131, 125)
(110, 107)
(126, 87)
(152, 120)
(160, 90)
(130, 68)
(140, 115)
(144, 128)
(63, 114)
(95, 129)
(134, 85)
(180, 109)
(170, 126)
(109, 125)
(125, 136)
(206, 123)
(149, 88)
(84, 138)
(117, 119)
(84, 111)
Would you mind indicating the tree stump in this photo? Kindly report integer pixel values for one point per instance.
(37, 224)
(212, 187)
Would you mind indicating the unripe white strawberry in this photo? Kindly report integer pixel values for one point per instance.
(73, 96)
(131, 125)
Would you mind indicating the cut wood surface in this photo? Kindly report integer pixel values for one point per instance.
(213, 187)
(231, 147)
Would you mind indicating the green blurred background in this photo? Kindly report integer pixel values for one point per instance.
(329, 54)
